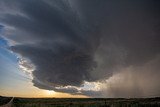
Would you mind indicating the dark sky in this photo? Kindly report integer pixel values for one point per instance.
(66, 43)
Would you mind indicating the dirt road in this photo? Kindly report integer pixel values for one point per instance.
(9, 104)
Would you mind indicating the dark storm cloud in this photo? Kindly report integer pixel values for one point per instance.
(55, 40)
(61, 65)
(72, 41)
(139, 81)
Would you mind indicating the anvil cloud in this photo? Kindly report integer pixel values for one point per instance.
(70, 42)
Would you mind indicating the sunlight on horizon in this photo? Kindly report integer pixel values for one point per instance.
(50, 92)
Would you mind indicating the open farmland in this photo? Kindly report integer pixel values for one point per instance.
(85, 102)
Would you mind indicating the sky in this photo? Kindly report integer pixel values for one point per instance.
(80, 48)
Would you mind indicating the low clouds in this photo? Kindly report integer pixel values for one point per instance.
(73, 41)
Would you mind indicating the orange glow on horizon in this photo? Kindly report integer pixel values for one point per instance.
(38, 93)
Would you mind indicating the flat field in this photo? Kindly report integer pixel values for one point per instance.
(85, 102)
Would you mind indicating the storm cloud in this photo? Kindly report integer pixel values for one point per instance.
(73, 41)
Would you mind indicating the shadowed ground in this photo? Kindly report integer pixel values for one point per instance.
(83, 102)
(9, 104)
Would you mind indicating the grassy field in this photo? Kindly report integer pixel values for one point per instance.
(85, 102)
